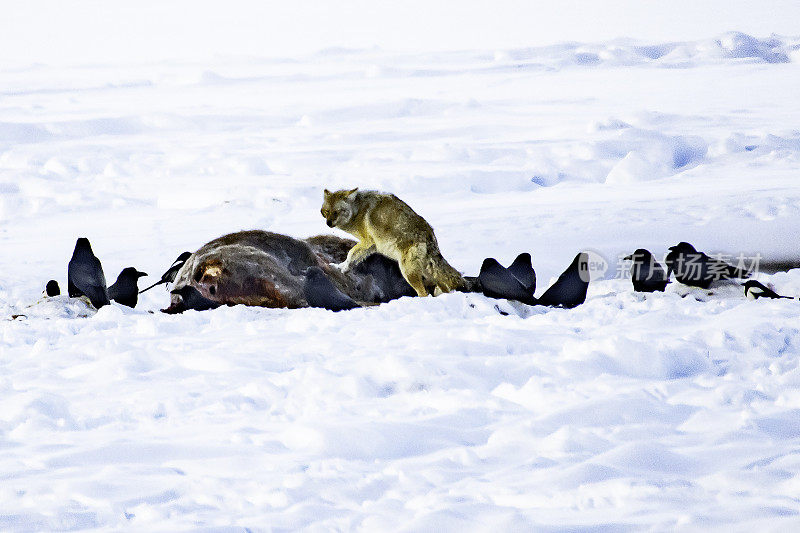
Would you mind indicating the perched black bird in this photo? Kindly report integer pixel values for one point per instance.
(85, 275)
(125, 290)
(192, 299)
(755, 290)
(518, 281)
(647, 274)
(497, 281)
(522, 270)
(570, 288)
(169, 275)
(387, 279)
(697, 269)
(52, 288)
(321, 292)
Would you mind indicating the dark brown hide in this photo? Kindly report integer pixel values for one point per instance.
(266, 269)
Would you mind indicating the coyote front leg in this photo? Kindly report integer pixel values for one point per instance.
(357, 253)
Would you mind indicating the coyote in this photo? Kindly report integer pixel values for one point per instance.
(385, 224)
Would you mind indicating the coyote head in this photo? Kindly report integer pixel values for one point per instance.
(339, 207)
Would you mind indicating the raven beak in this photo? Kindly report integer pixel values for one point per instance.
(141, 274)
(628, 258)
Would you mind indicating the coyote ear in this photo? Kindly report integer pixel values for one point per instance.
(327, 192)
(351, 194)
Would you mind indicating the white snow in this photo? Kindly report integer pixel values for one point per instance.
(668, 411)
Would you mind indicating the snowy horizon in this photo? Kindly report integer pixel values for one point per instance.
(94, 31)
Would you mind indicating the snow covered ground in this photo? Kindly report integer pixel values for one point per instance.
(668, 411)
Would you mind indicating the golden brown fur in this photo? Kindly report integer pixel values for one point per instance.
(385, 224)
